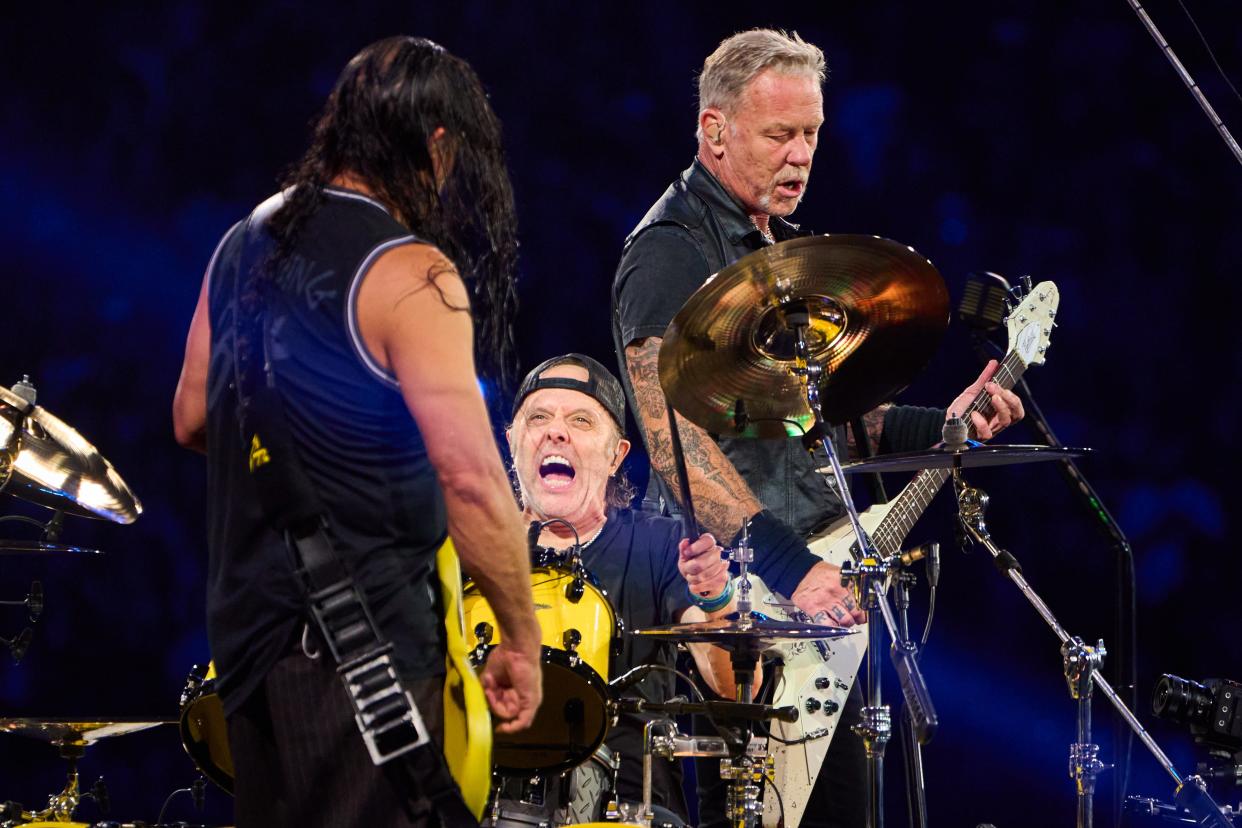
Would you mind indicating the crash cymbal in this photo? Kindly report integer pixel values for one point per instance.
(70, 731)
(44, 461)
(755, 631)
(970, 457)
(877, 310)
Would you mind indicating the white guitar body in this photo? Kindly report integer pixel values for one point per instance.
(817, 676)
(816, 679)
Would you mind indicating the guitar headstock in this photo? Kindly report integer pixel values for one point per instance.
(1030, 324)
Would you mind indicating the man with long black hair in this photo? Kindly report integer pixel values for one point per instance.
(378, 275)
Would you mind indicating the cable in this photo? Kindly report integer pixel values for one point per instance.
(1211, 54)
(931, 612)
(780, 803)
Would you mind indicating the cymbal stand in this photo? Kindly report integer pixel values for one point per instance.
(1081, 665)
(869, 576)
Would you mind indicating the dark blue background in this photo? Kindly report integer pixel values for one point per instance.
(1017, 137)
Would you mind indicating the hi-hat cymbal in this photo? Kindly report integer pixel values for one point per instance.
(968, 457)
(877, 310)
(757, 631)
(44, 461)
(70, 731)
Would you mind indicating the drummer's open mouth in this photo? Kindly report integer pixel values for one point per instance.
(556, 471)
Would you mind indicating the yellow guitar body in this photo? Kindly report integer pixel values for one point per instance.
(467, 720)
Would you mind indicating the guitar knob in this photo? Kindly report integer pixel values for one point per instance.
(812, 705)
(822, 683)
(571, 639)
(483, 632)
(831, 707)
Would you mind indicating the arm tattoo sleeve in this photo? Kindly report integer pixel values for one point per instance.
(873, 422)
(722, 500)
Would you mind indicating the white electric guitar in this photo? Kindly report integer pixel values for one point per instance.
(817, 676)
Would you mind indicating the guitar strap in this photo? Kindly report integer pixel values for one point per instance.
(388, 718)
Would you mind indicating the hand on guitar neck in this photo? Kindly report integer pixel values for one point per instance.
(992, 406)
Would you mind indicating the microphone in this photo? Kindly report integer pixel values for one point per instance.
(634, 676)
(983, 306)
(532, 534)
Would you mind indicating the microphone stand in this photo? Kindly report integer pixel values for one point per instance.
(1081, 664)
(1124, 626)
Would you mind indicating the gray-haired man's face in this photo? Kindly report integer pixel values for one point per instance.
(766, 145)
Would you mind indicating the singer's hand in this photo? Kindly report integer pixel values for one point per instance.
(822, 596)
(1006, 406)
(706, 573)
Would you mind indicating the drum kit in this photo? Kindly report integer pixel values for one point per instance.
(796, 339)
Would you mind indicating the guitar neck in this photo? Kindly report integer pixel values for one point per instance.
(913, 500)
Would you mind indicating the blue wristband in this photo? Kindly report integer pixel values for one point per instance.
(712, 604)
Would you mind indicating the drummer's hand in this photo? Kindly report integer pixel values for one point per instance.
(822, 596)
(512, 682)
(706, 573)
(1006, 406)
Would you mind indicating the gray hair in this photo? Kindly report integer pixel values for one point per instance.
(739, 59)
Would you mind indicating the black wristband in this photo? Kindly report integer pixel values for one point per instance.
(781, 557)
(911, 428)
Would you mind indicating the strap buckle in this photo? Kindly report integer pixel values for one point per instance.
(385, 712)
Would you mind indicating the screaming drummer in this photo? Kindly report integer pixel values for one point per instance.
(567, 441)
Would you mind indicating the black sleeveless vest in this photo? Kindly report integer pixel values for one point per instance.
(360, 447)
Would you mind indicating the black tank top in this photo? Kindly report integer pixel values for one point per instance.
(359, 445)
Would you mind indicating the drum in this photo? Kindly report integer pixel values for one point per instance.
(579, 631)
(204, 732)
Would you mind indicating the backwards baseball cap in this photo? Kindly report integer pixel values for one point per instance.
(600, 384)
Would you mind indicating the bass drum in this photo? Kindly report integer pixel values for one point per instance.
(579, 633)
(204, 732)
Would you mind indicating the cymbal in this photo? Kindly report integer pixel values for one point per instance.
(45, 461)
(16, 547)
(970, 457)
(756, 631)
(69, 731)
(877, 310)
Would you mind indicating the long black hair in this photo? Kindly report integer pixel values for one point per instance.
(376, 125)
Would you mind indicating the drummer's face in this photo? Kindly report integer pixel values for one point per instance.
(565, 446)
(767, 143)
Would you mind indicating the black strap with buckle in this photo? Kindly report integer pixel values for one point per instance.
(387, 716)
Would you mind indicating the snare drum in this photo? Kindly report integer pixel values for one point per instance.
(579, 630)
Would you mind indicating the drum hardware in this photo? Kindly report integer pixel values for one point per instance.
(70, 737)
(33, 601)
(1080, 663)
(973, 455)
(745, 765)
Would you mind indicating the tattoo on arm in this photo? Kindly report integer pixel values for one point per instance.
(722, 500)
(873, 423)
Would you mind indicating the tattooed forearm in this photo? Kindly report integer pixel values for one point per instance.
(722, 500)
(873, 422)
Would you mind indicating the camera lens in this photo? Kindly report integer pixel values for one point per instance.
(1181, 700)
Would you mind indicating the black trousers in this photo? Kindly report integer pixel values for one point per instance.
(300, 760)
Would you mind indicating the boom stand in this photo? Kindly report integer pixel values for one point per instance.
(1081, 665)
(869, 575)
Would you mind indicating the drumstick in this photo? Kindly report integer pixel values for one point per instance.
(689, 525)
